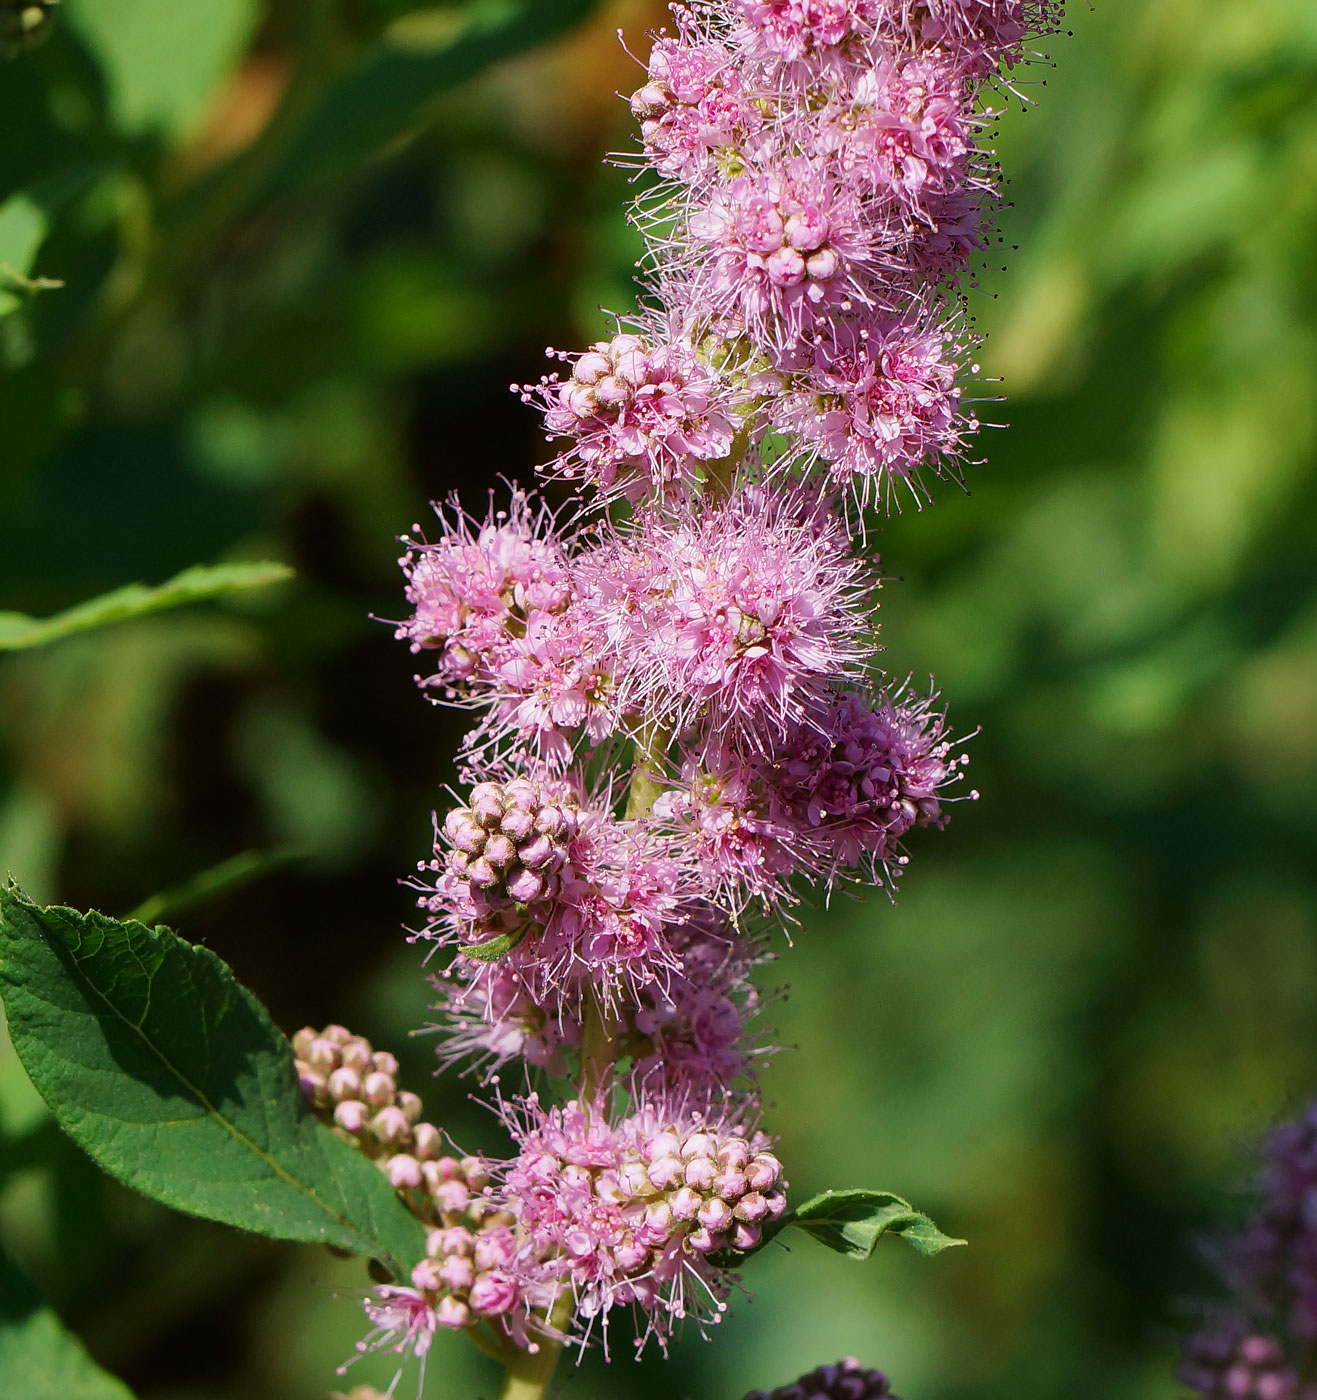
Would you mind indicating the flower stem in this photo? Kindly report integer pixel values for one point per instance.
(528, 1375)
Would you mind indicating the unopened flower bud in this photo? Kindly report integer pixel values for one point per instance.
(763, 1173)
(493, 1294)
(452, 1196)
(487, 804)
(591, 367)
(390, 1126)
(493, 1249)
(457, 1272)
(700, 1172)
(752, 1207)
(427, 1140)
(426, 1276)
(685, 1203)
(404, 1172)
(357, 1055)
(715, 1215)
(410, 1104)
(323, 1054)
(462, 829)
(351, 1115)
(378, 1089)
(474, 1172)
(451, 1312)
(824, 265)
(345, 1083)
(303, 1041)
(525, 885)
(698, 1145)
(745, 1236)
(665, 1172)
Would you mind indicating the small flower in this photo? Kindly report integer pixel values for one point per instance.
(476, 589)
(740, 618)
(643, 411)
(881, 403)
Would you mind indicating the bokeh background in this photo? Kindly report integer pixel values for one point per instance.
(306, 246)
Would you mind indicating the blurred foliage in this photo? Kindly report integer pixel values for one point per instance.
(303, 249)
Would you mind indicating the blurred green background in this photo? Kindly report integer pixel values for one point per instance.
(305, 246)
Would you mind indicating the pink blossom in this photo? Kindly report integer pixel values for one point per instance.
(643, 412)
(610, 1209)
(741, 616)
(775, 251)
(475, 588)
(599, 924)
(880, 404)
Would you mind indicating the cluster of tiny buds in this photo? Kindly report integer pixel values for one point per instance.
(847, 1380)
(354, 1089)
(1234, 1363)
(719, 1187)
(510, 842)
(606, 377)
(467, 1272)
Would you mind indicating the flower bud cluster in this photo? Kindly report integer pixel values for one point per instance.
(470, 1271)
(510, 842)
(641, 1210)
(1248, 1348)
(847, 1380)
(354, 1089)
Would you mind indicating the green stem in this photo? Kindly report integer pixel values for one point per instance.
(528, 1375)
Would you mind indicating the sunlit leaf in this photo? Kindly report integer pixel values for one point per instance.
(163, 60)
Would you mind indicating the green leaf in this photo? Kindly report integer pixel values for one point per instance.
(39, 1359)
(19, 631)
(163, 60)
(171, 1075)
(852, 1222)
(23, 227)
(391, 89)
(494, 948)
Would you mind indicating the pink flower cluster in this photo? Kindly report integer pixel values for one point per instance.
(636, 1212)
(817, 185)
(677, 717)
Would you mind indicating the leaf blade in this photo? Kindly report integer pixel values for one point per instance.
(853, 1222)
(19, 632)
(39, 1358)
(171, 1076)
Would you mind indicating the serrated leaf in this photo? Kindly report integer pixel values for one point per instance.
(171, 1075)
(39, 1358)
(18, 631)
(852, 1222)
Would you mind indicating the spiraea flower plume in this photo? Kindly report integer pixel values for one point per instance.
(678, 721)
